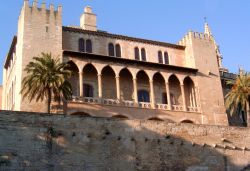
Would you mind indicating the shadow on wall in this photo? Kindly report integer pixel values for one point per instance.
(59, 142)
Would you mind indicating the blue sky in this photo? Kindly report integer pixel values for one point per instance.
(163, 20)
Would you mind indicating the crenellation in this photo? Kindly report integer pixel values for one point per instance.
(34, 4)
(59, 8)
(51, 7)
(43, 6)
(26, 3)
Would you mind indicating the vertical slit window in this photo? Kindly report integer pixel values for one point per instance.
(111, 49)
(166, 58)
(88, 46)
(160, 59)
(137, 55)
(81, 45)
(143, 55)
(118, 50)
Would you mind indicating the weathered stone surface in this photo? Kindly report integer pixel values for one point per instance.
(58, 142)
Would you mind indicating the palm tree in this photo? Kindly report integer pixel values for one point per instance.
(239, 95)
(46, 78)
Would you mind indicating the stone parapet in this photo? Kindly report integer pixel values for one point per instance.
(33, 141)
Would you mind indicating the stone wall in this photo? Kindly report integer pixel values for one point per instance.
(100, 46)
(42, 142)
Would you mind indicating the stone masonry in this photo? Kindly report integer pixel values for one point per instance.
(35, 141)
(124, 72)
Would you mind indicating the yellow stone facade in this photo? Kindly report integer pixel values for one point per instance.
(116, 75)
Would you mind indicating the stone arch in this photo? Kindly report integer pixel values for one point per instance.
(187, 121)
(105, 66)
(155, 119)
(160, 73)
(143, 88)
(133, 71)
(82, 114)
(79, 112)
(126, 84)
(120, 117)
(160, 89)
(177, 76)
(90, 81)
(190, 95)
(108, 82)
(74, 79)
(175, 90)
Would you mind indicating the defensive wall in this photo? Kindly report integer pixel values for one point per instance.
(33, 141)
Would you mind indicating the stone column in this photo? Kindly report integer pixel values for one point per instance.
(99, 76)
(152, 94)
(197, 97)
(81, 83)
(191, 98)
(168, 96)
(183, 97)
(194, 97)
(118, 92)
(135, 90)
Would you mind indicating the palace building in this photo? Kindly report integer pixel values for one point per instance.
(116, 75)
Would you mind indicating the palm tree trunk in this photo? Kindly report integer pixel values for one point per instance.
(49, 100)
(248, 114)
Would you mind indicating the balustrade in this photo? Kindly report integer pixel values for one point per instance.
(145, 105)
(128, 103)
(193, 109)
(111, 102)
(162, 106)
(177, 107)
(91, 100)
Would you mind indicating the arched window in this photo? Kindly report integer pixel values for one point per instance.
(143, 55)
(111, 49)
(166, 59)
(160, 59)
(88, 46)
(118, 50)
(143, 96)
(88, 90)
(81, 46)
(137, 54)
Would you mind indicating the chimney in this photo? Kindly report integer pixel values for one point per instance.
(88, 19)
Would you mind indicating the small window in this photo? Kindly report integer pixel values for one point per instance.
(160, 59)
(47, 29)
(111, 49)
(143, 55)
(137, 54)
(81, 46)
(118, 50)
(143, 96)
(88, 46)
(166, 59)
(88, 90)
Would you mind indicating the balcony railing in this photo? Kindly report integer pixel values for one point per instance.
(162, 106)
(192, 109)
(144, 105)
(177, 108)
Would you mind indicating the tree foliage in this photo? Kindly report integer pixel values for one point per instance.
(46, 78)
(239, 94)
